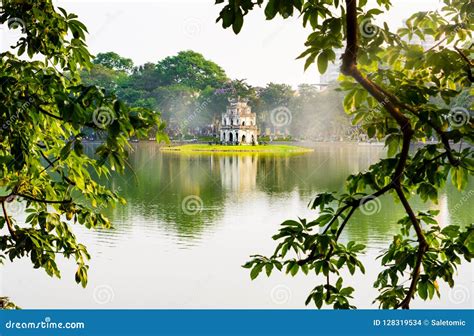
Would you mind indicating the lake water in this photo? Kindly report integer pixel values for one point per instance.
(165, 253)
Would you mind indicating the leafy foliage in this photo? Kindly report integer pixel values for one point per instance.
(43, 165)
(114, 61)
(192, 91)
(399, 92)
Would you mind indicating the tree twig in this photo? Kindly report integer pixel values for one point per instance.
(31, 198)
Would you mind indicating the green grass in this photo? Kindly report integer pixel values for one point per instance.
(206, 148)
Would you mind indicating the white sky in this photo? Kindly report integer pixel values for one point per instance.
(264, 51)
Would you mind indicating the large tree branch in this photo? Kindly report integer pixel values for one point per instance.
(7, 220)
(422, 248)
(469, 64)
(393, 107)
(391, 103)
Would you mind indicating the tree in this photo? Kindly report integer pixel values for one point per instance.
(183, 86)
(275, 95)
(103, 77)
(145, 78)
(191, 69)
(389, 84)
(43, 165)
(114, 61)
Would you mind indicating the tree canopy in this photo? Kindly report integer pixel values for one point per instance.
(44, 110)
(190, 69)
(399, 92)
(114, 61)
(192, 91)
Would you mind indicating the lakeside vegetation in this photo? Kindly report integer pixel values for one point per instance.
(206, 148)
(191, 92)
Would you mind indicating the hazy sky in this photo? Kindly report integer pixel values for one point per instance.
(265, 51)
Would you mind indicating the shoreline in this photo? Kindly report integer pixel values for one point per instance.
(222, 149)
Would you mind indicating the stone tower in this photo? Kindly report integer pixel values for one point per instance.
(238, 124)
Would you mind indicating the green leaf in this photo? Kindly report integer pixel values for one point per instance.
(423, 290)
(271, 9)
(238, 22)
(268, 269)
(323, 62)
(256, 271)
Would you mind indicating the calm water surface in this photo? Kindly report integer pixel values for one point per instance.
(162, 254)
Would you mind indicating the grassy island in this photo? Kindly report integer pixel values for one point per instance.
(206, 148)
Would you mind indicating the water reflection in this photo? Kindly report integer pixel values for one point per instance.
(160, 182)
(181, 259)
(238, 174)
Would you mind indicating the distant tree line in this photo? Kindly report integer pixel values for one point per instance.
(191, 92)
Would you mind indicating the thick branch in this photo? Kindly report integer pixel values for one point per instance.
(422, 248)
(391, 103)
(468, 66)
(461, 53)
(349, 68)
(7, 220)
(343, 225)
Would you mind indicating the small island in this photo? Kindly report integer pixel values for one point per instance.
(266, 149)
(237, 133)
